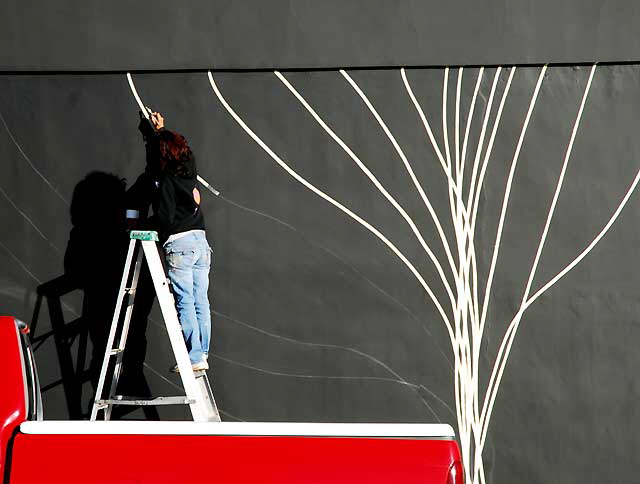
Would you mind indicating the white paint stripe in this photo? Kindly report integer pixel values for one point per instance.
(350, 378)
(457, 128)
(430, 135)
(374, 180)
(26, 217)
(483, 130)
(408, 167)
(469, 119)
(425, 122)
(342, 261)
(516, 321)
(145, 112)
(487, 155)
(505, 202)
(333, 202)
(141, 105)
(588, 249)
(31, 164)
(497, 244)
(445, 130)
(20, 263)
(556, 195)
(349, 349)
(284, 429)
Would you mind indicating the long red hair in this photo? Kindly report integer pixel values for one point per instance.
(174, 152)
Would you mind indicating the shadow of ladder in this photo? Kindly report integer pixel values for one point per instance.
(74, 374)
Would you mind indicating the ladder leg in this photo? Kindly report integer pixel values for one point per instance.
(112, 332)
(213, 415)
(125, 331)
(168, 308)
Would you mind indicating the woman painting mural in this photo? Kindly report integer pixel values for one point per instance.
(178, 218)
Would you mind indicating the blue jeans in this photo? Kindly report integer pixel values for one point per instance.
(188, 263)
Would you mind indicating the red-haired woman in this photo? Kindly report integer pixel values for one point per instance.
(180, 224)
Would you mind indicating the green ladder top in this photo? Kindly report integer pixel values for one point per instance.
(144, 235)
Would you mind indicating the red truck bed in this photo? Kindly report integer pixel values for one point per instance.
(33, 450)
(269, 453)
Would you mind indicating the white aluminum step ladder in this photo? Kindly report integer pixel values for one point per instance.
(198, 394)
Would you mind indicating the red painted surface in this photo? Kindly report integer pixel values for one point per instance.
(12, 391)
(81, 458)
(229, 459)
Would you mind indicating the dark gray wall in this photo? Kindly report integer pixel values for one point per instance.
(304, 299)
(250, 34)
(314, 319)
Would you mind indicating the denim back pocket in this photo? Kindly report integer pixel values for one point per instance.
(180, 259)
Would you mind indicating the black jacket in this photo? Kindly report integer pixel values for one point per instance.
(176, 204)
(175, 200)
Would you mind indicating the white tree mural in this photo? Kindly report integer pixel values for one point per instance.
(464, 312)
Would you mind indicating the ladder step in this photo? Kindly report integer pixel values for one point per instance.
(141, 401)
(115, 351)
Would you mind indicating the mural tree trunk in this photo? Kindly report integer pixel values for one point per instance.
(468, 293)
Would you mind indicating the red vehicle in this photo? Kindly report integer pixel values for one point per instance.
(36, 450)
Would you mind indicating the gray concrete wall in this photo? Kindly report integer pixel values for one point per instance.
(314, 318)
(248, 34)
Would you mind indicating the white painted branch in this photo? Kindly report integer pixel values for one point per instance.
(375, 182)
(445, 130)
(505, 202)
(483, 130)
(588, 249)
(457, 127)
(407, 165)
(513, 327)
(487, 155)
(556, 195)
(469, 119)
(333, 202)
(427, 126)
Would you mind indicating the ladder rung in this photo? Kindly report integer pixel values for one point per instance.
(115, 351)
(129, 290)
(140, 401)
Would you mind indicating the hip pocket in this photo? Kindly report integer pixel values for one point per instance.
(179, 259)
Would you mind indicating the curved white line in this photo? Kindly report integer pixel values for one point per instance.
(516, 321)
(20, 263)
(374, 180)
(445, 130)
(483, 130)
(333, 202)
(26, 217)
(407, 165)
(348, 349)
(28, 160)
(556, 195)
(469, 119)
(588, 249)
(430, 135)
(141, 105)
(487, 155)
(425, 123)
(457, 127)
(144, 111)
(505, 202)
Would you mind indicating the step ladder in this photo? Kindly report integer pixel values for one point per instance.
(198, 394)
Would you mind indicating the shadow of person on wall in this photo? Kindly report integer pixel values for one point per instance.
(95, 254)
(94, 261)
